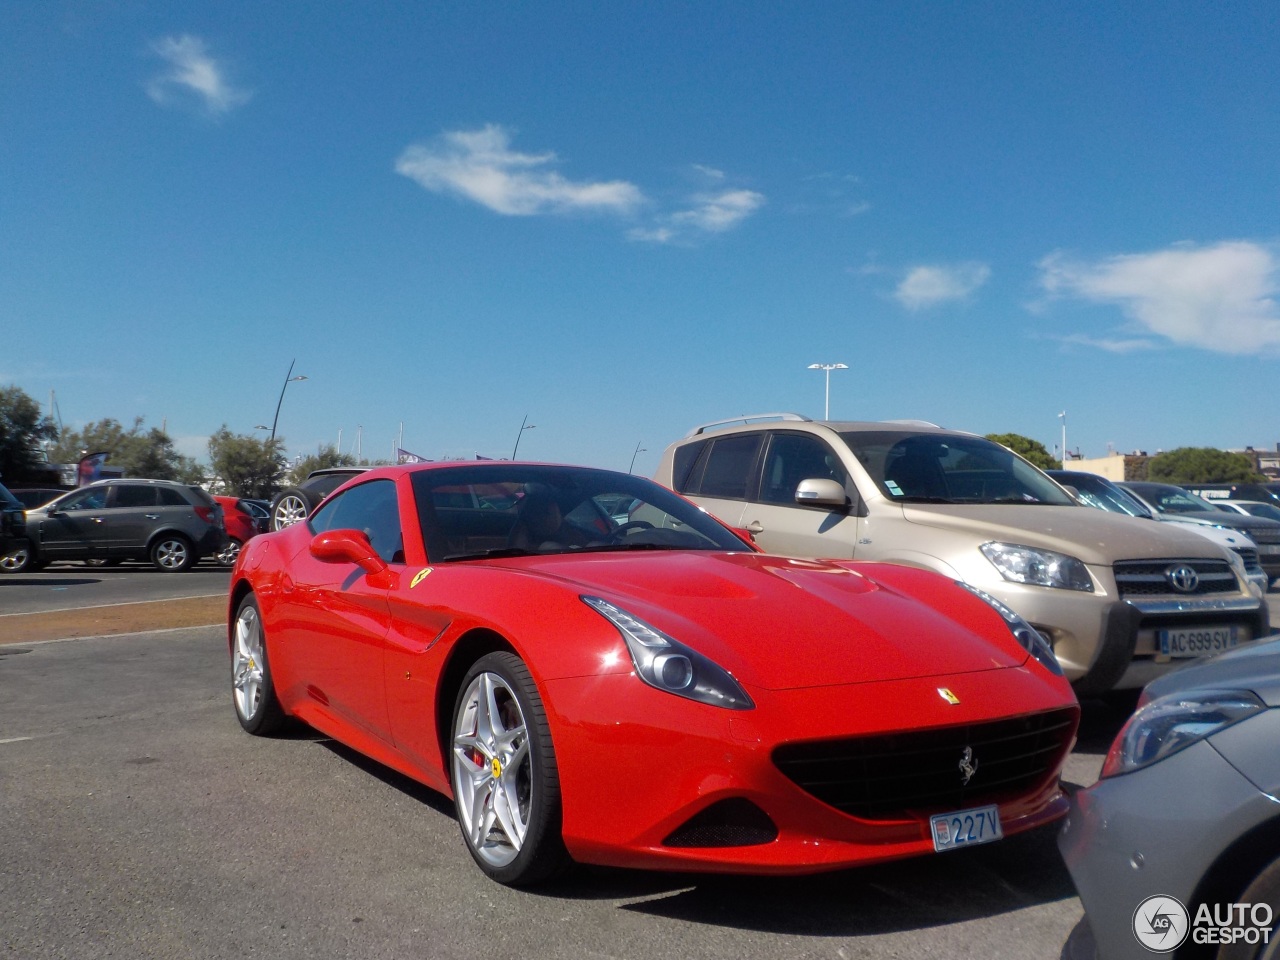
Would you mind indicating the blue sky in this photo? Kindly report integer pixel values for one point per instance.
(622, 220)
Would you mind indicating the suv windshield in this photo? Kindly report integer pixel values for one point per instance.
(945, 468)
(497, 510)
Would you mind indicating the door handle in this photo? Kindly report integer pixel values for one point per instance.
(151, 516)
(96, 519)
(755, 526)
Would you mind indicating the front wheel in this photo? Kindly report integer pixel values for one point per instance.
(506, 787)
(290, 509)
(19, 560)
(1265, 889)
(252, 690)
(227, 556)
(172, 554)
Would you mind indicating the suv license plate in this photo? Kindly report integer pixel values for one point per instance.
(965, 828)
(1198, 641)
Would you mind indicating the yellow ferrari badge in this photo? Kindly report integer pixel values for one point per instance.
(948, 696)
(419, 577)
(497, 768)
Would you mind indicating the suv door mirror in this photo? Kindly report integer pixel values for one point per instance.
(817, 492)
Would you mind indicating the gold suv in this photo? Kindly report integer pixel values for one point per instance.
(1119, 599)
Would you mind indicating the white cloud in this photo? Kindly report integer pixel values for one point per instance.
(720, 212)
(193, 72)
(480, 166)
(927, 286)
(1110, 344)
(1219, 298)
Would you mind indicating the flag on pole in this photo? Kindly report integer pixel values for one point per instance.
(90, 468)
(404, 456)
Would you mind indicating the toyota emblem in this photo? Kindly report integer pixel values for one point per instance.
(1182, 578)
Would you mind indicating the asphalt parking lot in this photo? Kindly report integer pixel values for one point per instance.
(136, 819)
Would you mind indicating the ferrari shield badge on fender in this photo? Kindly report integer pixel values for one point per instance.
(948, 696)
(419, 577)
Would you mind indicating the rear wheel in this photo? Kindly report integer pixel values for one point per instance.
(506, 786)
(289, 509)
(172, 553)
(226, 557)
(252, 691)
(20, 560)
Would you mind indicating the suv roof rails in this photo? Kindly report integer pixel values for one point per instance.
(703, 428)
(916, 423)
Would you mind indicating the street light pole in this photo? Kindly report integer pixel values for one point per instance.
(524, 425)
(288, 378)
(828, 367)
(1063, 415)
(636, 454)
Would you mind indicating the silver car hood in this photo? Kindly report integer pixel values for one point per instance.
(1093, 536)
(1255, 667)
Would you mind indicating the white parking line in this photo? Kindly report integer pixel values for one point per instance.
(14, 740)
(94, 606)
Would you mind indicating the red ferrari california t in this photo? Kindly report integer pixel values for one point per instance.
(596, 670)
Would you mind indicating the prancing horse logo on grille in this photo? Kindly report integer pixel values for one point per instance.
(1182, 578)
(968, 766)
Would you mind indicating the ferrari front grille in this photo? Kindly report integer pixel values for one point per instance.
(890, 776)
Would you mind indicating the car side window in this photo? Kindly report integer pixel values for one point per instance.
(133, 495)
(171, 498)
(728, 467)
(371, 508)
(793, 457)
(95, 499)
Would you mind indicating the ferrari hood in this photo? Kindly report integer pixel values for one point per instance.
(1093, 536)
(782, 623)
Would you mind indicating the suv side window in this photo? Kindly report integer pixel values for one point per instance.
(793, 457)
(726, 472)
(370, 508)
(94, 499)
(133, 495)
(172, 498)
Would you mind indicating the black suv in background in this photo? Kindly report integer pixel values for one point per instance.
(13, 524)
(173, 525)
(296, 503)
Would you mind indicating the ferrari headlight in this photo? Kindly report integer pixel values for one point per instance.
(1028, 636)
(1171, 723)
(669, 665)
(1041, 568)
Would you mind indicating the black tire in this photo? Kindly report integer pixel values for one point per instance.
(253, 694)
(505, 758)
(1265, 888)
(20, 560)
(172, 553)
(104, 562)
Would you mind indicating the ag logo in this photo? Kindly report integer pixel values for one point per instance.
(1161, 923)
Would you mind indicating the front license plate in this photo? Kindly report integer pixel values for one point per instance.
(965, 828)
(1198, 641)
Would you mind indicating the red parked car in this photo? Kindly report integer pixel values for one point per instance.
(242, 522)
(595, 670)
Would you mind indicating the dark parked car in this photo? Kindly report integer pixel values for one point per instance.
(296, 503)
(13, 524)
(171, 524)
(32, 497)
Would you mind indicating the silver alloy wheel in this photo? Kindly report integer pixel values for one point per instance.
(172, 554)
(492, 769)
(246, 663)
(16, 560)
(226, 557)
(288, 511)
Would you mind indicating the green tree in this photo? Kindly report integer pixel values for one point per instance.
(248, 466)
(1201, 465)
(22, 431)
(1031, 450)
(325, 457)
(134, 452)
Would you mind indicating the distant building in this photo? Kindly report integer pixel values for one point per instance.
(1117, 467)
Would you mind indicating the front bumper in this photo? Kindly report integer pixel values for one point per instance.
(658, 762)
(1145, 833)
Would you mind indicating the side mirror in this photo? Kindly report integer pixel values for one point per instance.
(821, 493)
(347, 546)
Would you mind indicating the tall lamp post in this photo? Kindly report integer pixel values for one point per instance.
(524, 425)
(639, 450)
(288, 379)
(1063, 415)
(828, 367)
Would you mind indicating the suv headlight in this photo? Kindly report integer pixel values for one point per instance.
(1171, 723)
(669, 665)
(1041, 568)
(1028, 636)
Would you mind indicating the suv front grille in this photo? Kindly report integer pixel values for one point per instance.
(1155, 578)
(888, 776)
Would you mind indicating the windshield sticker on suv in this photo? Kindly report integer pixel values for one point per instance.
(893, 488)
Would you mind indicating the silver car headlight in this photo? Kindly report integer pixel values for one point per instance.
(1028, 636)
(1164, 726)
(1041, 568)
(667, 664)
